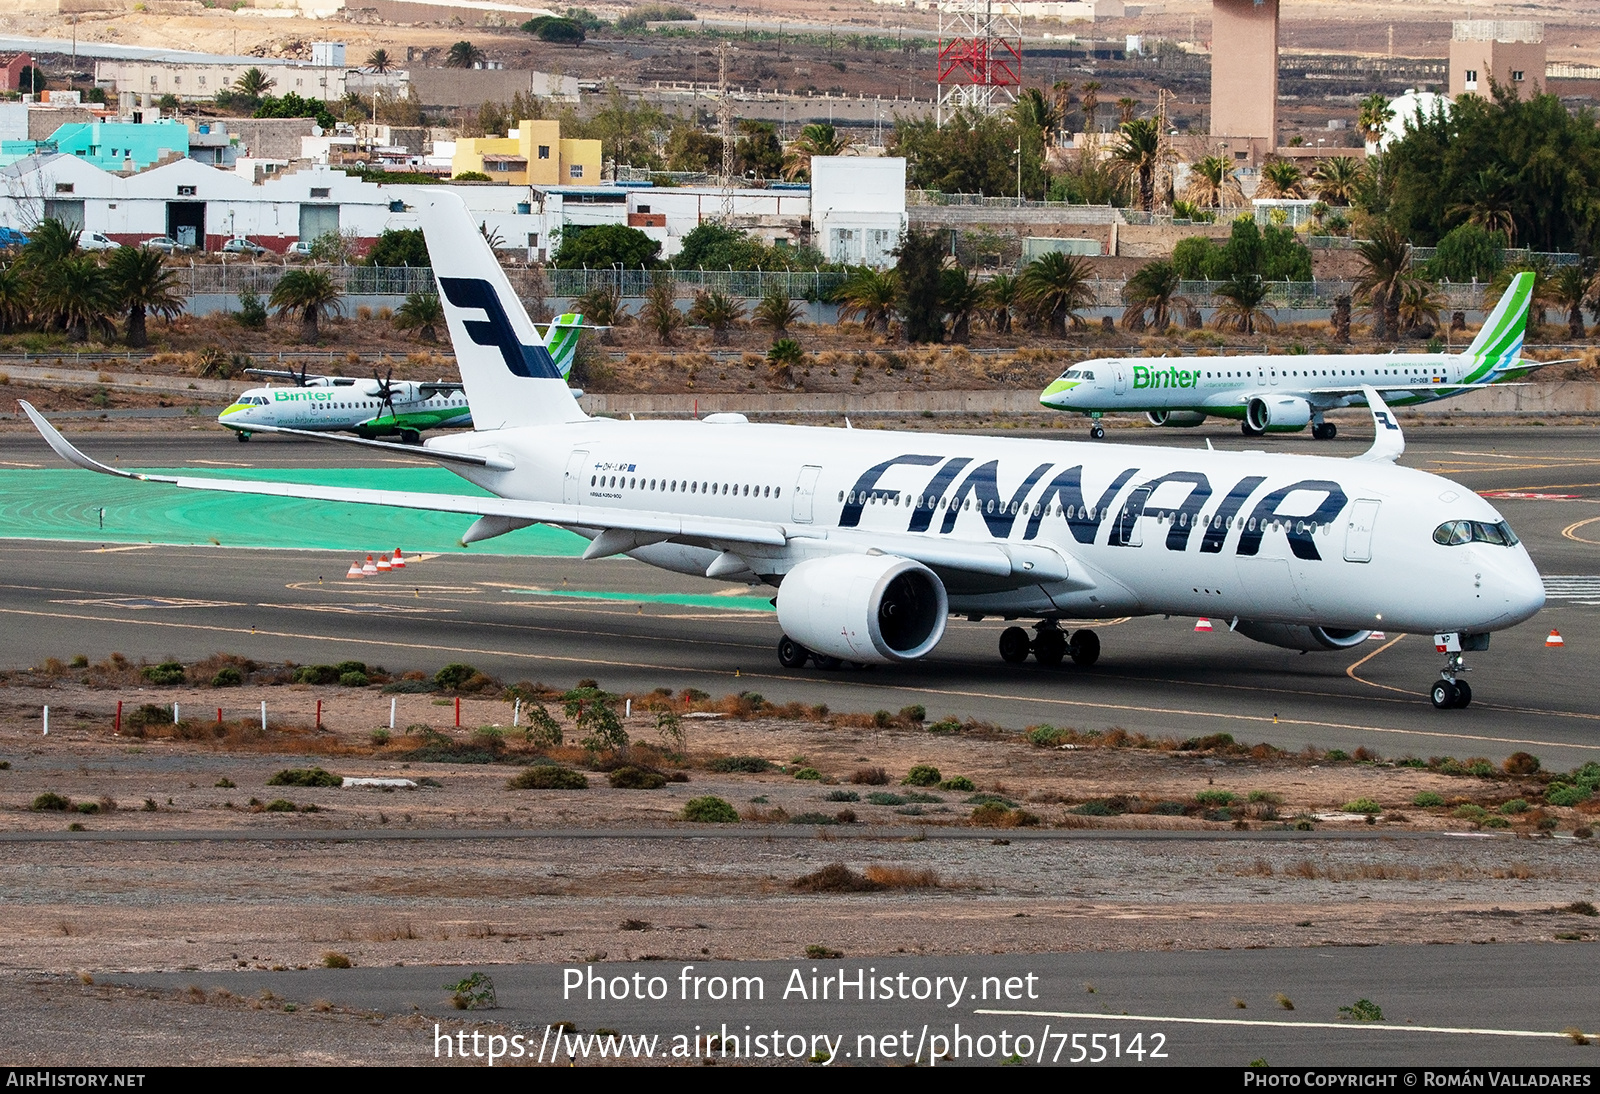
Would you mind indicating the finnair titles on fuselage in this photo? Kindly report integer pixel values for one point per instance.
(874, 539)
(1285, 393)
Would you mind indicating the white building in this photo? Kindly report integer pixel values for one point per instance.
(858, 207)
(187, 80)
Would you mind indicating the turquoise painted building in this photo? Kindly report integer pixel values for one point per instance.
(110, 146)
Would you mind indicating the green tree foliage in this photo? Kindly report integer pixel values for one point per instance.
(757, 152)
(32, 79)
(400, 247)
(423, 313)
(293, 106)
(644, 14)
(143, 284)
(254, 83)
(971, 154)
(718, 311)
(311, 293)
(1272, 253)
(50, 242)
(776, 312)
(816, 139)
(15, 297)
(463, 55)
(601, 305)
(1056, 286)
(660, 312)
(1150, 295)
(1468, 253)
(918, 268)
(870, 296)
(1385, 268)
(626, 129)
(603, 245)
(1498, 158)
(1244, 306)
(1137, 155)
(690, 148)
(554, 28)
(77, 294)
(961, 295)
(379, 61)
(713, 246)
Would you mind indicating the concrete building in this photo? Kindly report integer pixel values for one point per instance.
(111, 146)
(858, 207)
(467, 87)
(1244, 70)
(1510, 53)
(533, 154)
(193, 81)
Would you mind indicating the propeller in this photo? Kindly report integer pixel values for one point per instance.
(386, 390)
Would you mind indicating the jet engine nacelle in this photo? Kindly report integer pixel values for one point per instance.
(1181, 419)
(1293, 637)
(872, 608)
(1277, 413)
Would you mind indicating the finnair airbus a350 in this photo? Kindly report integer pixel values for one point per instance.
(1283, 393)
(875, 538)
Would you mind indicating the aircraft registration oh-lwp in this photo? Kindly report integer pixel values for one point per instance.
(1283, 393)
(875, 538)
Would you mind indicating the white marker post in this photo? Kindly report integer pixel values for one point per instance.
(627, 708)
(47, 721)
(391, 713)
(516, 713)
(174, 713)
(263, 715)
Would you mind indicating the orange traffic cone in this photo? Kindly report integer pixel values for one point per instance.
(355, 570)
(399, 561)
(1554, 639)
(383, 564)
(370, 568)
(1203, 625)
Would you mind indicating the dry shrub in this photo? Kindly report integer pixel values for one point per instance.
(836, 877)
(755, 815)
(994, 815)
(1365, 753)
(870, 776)
(902, 877)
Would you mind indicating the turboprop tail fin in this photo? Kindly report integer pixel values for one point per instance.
(510, 376)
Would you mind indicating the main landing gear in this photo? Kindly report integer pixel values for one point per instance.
(792, 655)
(1323, 431)
(1049, 645)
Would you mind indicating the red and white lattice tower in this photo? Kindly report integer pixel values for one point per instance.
(980, 56)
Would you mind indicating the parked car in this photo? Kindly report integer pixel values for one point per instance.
(94, 241)
(165, 244)
(299, 249)
(10, 237)
(239, 245)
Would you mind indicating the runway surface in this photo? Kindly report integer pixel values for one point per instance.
(1441, 1005)
(557, 619)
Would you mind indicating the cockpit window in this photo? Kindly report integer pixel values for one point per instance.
(1454, 532)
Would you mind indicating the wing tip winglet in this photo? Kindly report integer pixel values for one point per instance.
(63, 447)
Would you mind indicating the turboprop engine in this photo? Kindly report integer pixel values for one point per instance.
(1277, 413)
(1293, 637)
(1181, 419)
(871, 608)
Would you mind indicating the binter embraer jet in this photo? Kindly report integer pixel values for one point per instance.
(873, 539)
(1283, 393)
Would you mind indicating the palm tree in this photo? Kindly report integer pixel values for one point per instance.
(776, 312)
(816, 139)
(1420, 306)
(961, 294)
(1056, 285)
(1152, 290)
(1137, 157)
(1244, 306)
(379, 61)
(716, 310)
(660, 312)
(1572, 288)
(1034, 110)
(870, 296)
(1061, 99)
(422, 312)
(143, 284)
(1211, 184)
(254, 83)
(14, 297)
(76, 294)
(1127, 107)
(1282, 179)
(51, 241)
(1334, 179)
(1486, 202)
(1375, 113)
(1089, 103)
(1385, 265)
(602, 305)
(312, 293)
(1002, 298)
(463, 55)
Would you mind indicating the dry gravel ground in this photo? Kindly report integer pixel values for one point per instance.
(88, 906)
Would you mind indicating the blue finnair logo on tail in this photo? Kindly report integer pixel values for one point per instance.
(533, 362)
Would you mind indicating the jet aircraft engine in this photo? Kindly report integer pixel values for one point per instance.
(1291, 637)
(1277, 413)
(871, 608)
(1181, 419)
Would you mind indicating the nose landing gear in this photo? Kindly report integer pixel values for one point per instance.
(1449, 692)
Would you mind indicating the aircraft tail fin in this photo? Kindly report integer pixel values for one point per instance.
(1499, 343)
(510, 377)
(561, 339)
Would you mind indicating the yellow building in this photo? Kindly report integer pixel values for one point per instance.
(534, 154)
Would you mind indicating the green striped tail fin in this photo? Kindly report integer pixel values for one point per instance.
(1499, 344)
(562, 340)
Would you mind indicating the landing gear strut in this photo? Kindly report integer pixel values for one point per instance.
(1049, 646)
(1449, 692)
(1097, 432)
(243, 436)
(792, 655)
(1321, 430)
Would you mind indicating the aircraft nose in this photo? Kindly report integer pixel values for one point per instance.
(1521, 588)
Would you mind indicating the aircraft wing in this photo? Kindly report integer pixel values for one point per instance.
(287, 374)
(439, 387)
(619, 531)
(419, 452)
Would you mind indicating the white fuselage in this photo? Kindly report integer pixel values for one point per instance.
(1336, 543)
(353, 407)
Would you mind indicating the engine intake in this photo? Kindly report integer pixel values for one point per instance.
(870, 608)
(1277, 413)
(1292, 637)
